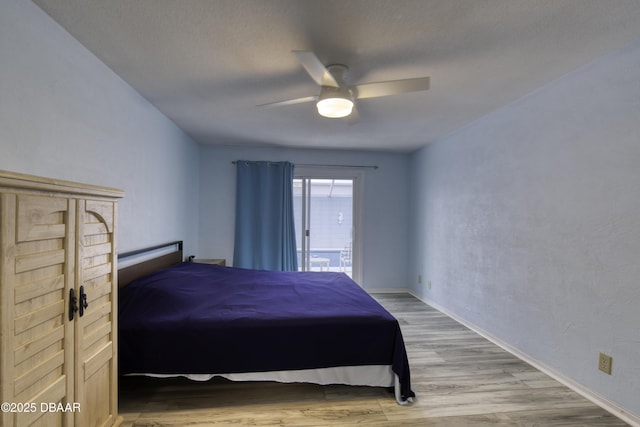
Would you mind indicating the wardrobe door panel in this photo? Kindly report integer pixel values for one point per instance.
(95, 327)
(37, 277)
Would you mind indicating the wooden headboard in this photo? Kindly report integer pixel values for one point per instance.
(128, 274)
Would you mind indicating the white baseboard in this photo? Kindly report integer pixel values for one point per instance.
(594, 397)
(390, 291)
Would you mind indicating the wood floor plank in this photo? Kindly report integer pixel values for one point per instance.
(460, 378)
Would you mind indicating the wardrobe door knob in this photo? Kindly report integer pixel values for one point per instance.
(73, 303)
(83, 301)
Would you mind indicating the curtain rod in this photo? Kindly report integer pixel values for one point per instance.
(306, 165)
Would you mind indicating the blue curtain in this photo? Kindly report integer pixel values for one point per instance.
(264, 230)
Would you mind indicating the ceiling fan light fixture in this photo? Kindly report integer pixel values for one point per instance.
(335, 107)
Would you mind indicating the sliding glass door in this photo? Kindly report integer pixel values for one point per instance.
(326, 215)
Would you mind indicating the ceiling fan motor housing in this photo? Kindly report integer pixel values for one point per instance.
(335, 102)
(343, 90)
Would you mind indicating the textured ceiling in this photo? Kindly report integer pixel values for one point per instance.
(207, 64)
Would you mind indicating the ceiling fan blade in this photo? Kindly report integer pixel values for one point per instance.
(314, 67)
(290, 101)
(392, 87)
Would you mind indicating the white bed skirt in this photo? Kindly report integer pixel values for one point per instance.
(369, 375)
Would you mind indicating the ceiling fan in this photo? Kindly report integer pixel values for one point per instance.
(337, 98)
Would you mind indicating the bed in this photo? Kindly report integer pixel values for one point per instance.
(201, 320)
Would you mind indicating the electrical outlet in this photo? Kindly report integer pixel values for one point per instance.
(604, 363)
(419, 278)
(429, 284)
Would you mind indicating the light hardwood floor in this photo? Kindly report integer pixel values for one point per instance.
(460, 379)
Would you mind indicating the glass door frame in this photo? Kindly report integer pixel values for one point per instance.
(357, 175)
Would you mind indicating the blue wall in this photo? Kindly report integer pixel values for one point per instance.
(527, 225)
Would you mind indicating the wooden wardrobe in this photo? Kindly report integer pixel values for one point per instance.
(58, 303)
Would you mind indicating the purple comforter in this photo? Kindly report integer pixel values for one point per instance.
(199, 318)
